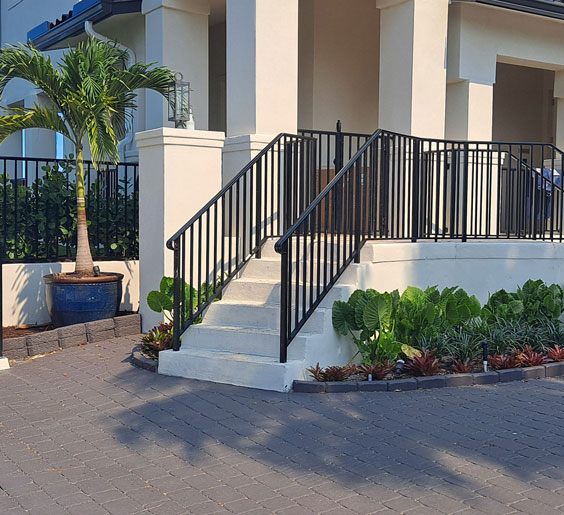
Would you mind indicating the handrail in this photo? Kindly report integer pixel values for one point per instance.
(226, 188)
(278, 245)
(400, 187)
(264, 198)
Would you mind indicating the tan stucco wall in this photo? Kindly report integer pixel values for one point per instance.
(338, 65)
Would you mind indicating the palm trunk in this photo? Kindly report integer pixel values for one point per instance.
(84, 263)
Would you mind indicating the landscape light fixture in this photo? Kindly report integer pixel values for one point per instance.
(485, 355)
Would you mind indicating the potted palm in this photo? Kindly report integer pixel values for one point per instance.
(91, 91)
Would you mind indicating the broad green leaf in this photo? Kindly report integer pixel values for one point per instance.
(377, 313)
(166, 286)
(159, 302)
(343, 317)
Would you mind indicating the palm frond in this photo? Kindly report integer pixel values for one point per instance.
(27, 63)
(39, 117)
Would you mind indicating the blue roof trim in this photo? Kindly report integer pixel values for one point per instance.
(48, 34)
(42, 28)
(80, 7)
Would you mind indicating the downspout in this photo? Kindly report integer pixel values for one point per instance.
(131, 59)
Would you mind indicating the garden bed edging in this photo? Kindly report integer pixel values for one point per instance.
(71, 336)
(438, 381)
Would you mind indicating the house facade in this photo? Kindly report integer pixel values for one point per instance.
(458, 69)
(288, 232)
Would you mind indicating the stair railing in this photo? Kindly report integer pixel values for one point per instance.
(398, 187)
(260, 202)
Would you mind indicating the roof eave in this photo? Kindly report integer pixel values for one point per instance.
(549, 9)
(74, 26)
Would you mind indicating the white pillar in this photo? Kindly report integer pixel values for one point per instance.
(176, 35)
(469, 114)
(559, 99)
(262, 77)
(179, 172)
(262, 66)
(413, 66)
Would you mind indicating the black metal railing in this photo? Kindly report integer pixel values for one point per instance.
(260, 202)
(399, 187)
(38, 209)
(334, 149)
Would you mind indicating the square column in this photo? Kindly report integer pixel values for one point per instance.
(262, 66)
(176, 35)
(559, 100)
(469, 114)
(413, 36)
(179, 172)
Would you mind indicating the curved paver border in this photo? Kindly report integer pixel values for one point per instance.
(415, 383)
(141, 361)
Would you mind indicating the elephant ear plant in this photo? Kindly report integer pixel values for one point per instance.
(370, 319)
(90, 93)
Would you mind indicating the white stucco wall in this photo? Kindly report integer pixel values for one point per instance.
(23, 289)
(480, 268)
(339, 49)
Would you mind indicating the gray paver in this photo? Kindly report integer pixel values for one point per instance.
(84, 432)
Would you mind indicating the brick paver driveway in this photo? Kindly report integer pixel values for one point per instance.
(84, 432)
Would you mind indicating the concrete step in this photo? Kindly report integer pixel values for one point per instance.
(269, 252)
(252, 341)
(253, 315)
(269, 268)
(265, 373)
(268, 291)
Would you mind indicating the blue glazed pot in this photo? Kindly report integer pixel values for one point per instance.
(75, 300)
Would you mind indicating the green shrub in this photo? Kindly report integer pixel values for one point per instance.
(450, 323)
(534, 303)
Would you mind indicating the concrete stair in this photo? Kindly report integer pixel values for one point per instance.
(238, 341)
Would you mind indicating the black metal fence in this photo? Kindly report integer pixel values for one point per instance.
(400, 187)
(38, 209)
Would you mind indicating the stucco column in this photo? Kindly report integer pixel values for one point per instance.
(469, 114)
(176, 35)
(559, 99)
(179, 172)
(262, 76)
(413, 66)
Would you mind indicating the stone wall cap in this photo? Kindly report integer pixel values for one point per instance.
(181, 137)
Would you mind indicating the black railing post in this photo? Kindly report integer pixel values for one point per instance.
(287, 200)
(357, 211)
(339, 148)
(284, 304)
(416, 160)
(464, 186)
(177, 304)
(258, 210)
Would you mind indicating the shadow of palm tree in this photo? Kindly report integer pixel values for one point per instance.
(451, 440)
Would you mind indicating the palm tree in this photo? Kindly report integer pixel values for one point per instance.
(91, 91)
